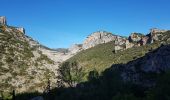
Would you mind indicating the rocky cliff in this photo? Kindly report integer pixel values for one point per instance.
(138, 39)
(120, 42)
(3, 20)
(98, 38)
(21, 29)
(154, 62)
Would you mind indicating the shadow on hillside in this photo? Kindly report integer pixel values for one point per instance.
(103, 87)
(107, 86)
(27, 96)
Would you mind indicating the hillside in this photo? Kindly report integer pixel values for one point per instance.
(144, 78)
(28, 66)
(22, 67)
(103, 56)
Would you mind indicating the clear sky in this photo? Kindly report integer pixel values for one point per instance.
(61, 23)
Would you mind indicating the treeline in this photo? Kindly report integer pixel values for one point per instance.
(106, 86)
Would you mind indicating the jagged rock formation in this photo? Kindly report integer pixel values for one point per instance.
(3, 20)
(138, 39)
(153, 62)
(128, 44)
(98, 38)
(154, 34)
(121, 43)
(21, 29)
(135, 37)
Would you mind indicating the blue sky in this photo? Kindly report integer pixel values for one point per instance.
(61, 23)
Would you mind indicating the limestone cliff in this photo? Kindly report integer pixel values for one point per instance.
(21, 29)
(3, 20)
(98, 38)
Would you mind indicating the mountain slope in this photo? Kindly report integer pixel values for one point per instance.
(103, 56)
(22, 67)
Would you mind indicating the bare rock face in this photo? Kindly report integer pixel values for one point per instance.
(120, 40)
(128, 44)
(156, 30)
(3, 20)
(144, 40)
(118, 48)
(75, 48)
(21, 29)
(155, 33)
(119, 43)
(135, 37)
(98, 38)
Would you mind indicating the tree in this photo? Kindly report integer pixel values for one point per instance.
(70, 73)
(93, 75)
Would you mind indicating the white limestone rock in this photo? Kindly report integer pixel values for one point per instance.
(21, 29)
(3, 20)
(98, 38)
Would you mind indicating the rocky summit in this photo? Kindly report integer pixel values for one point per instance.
(98, 38)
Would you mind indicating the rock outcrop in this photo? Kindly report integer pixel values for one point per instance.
(154, 34)
(3, 20)
(128, 44)
(144, 40)
(98, 38)
(21, 29)
(138, 39)
(135, 37)
(119, 43)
